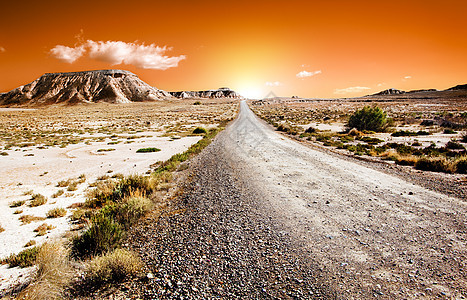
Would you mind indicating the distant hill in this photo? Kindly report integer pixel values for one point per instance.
(112, 86)
(459, 91)
(219, 93)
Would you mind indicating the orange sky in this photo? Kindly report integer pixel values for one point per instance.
(359, 47)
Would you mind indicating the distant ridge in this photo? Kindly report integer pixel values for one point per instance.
(111, 86)
(458, 87)
(223, 92)
(431, 92)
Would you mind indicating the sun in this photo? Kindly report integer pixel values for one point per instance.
(251, 92)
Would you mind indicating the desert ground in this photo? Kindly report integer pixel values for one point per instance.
(59, 152)
(267, 216)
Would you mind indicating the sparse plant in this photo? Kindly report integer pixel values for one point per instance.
(197, 103)
(114, 266)
(26, 219)
(56, 212)
(17, 203)
(25, 258)
(18, 211)
(454, 146)
(63, 183)
(368, 118)
(73, 186)
(54, 273)
(461, 165)
(104, 235)
(435, 164)
(199, 130)
(37, 200)
(3, 153)
(42, 229)
(145, 150)
(58, 193)
(1, 228)
(30, 243)
(105, 150)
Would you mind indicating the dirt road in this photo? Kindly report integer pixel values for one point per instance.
(267, 217)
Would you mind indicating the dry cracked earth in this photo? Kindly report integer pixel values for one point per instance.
(263, 216)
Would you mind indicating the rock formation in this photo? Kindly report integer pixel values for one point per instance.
(390, 92)
(219, 93)
(113, 86)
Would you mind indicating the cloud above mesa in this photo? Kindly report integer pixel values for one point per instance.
(2, 49)
(117, 52)
(305, 74)
(352, 89)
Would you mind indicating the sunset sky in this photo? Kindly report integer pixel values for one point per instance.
(307, 48)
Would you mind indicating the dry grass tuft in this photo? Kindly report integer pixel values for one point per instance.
(58, 193)
(37, 200)
(116, 265)
(2, 229)
(26, 219)
(53, 275)
(42, 229)
(56, 212)
(30, 243)
(17, 203)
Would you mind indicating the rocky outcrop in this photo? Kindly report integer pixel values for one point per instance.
(390, 92)
(112, 86)
(219, 93)
(458, 87)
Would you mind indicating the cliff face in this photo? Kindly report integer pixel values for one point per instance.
(113, 86)
(219, 93)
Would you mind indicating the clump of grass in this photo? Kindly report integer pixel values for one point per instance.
(53, 275)
(454, 146)
(197, 103)
(449, 131)
(1, 228)
(114, 266)
(58, 193)
(18, 211)
(17, 203)
(28, 192)
(73, 186)
(37, 200)
(199, 130)
(310, 130)
(42, 229)
(3, 153)
(26, 219)
(105, 150)
(145, 150)
(56, 212)
(286, 128)
(461, 165)
(104, 235)
(25, 258)
(30, 243)
(129, 210)
(435, 164)
(409, 133)
(63, 183)
(407, 160)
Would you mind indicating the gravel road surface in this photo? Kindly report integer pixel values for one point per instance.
(263, 216)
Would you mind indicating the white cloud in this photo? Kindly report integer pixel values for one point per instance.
(67, 54)
(2, 49)
(381, 84)
(407, 77)
(353, 89)
(274, 83)
(117, 52)
(304, 74)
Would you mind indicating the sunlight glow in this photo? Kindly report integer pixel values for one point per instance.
(251, 92)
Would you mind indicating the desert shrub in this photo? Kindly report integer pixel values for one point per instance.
(406, 160)
(104, 235)
(435, 164)
(464, 137)
(197, 103)
(346, 138)
(56, 212)
(199, 130)
(2, 229)
(105, 150)
(26, 219)
(37, 200)
(449, 131)
(53, 275)
(454, 146)
(25, 258)
(17, 203)
(114, 266)
(145, 150)
(129, 211)
(368, 118)
(310, 130)
(63, 183)
(42, 229)
(58, 193)
(371, 140)
(286, 128)
(354, 132)
(3, 153)
(461, 165)
(101, 194)
(30, 243)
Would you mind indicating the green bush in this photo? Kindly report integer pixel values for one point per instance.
(435, 164)
(461, 165)
(25, 258)
(104, 235)
(368, 118)
(113, 266)
(145, 150)
(199, 130)
(128, 211)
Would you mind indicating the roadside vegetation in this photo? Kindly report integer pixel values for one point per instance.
(363, 130)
